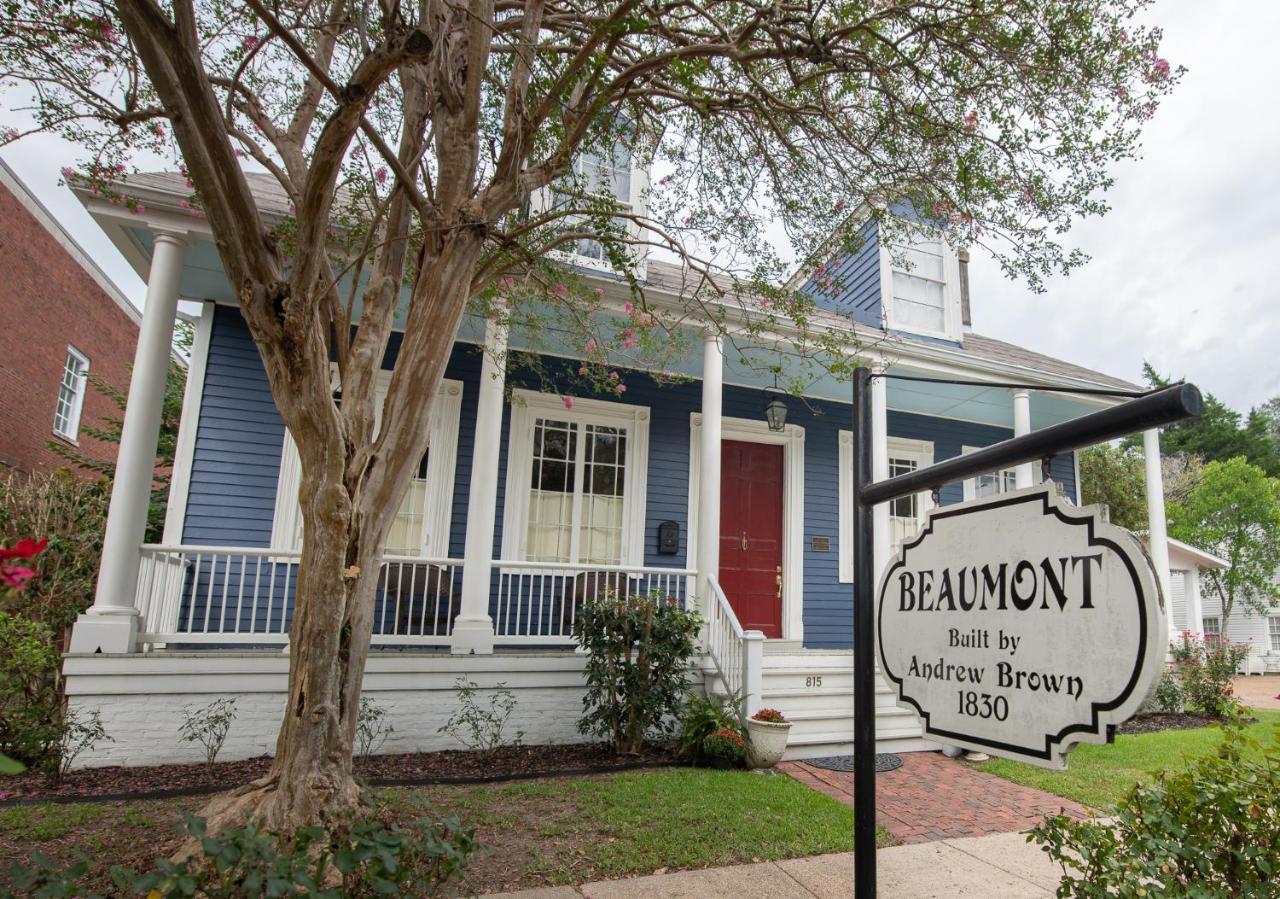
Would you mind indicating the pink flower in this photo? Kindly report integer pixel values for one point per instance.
(506, 283)
(628, 308)
(630, 343)
(15, 577)
(590, 345)
(600, 293)
(839, 204)
(560, 290)
(250, 43)
(622, 388)
(1160, 70)
(613, 376)
(582, 371)
(380, 175)
(68, 172)
(568, 402)
(971, 119)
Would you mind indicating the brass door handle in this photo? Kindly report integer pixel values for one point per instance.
(778, 581)
(744, 541)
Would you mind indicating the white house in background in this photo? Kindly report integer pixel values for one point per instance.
(1260, 632)
(521, 512)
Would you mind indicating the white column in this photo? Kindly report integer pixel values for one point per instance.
(1024, 474)
(708, 562)
(1195, 607)
(111, 624)
(473, 628)
(1157, 528)
(880, 464)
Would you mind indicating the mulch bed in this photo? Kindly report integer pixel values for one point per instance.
(1152, 722)
(157, 781)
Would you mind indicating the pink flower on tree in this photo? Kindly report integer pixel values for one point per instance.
(380, 175)
(560, 290)
(599, 293)
(250, 43)
(622, 388)
(971, 119)
(568, 402)
(628, 308)
(1160, 70)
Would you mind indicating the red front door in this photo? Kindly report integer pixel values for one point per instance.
(751, 533)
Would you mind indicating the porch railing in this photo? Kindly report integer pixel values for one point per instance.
(738, 655)
(538, 602)
(244, 596)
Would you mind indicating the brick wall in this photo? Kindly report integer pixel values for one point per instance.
(48, 300)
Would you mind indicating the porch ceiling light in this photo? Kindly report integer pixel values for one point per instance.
(776, 414)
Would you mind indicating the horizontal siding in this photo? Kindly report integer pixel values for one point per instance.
(237, 460)
(850, 285)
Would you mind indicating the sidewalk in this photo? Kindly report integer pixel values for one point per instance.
(999, 866)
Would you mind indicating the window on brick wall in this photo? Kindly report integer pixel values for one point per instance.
(66, 415)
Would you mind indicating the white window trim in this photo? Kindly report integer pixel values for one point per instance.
(791, 438)
(72, 434)
(950, 293)
(898, 447)
(638, 205)
(441, 469)
(528, 406)
(971, 484)
(1272, 621)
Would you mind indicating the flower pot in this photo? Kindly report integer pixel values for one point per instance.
(768, 741)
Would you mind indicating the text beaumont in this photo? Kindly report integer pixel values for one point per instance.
(1065, 580)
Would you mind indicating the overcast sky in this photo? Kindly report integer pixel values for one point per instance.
(1185, 270)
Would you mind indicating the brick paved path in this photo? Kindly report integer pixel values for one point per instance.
(932, 797)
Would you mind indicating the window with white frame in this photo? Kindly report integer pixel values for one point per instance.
(990, 483)
(575, 481)
(1212, 627)
(599, 172)
(421, 526)
(66, 414)
(906, 514)
(1273, 630)
(920, 285)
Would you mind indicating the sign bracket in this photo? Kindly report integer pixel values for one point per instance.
(1150, 410)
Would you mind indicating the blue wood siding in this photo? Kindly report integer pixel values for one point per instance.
(237, 460)
(850, 285)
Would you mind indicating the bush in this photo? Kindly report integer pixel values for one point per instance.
(1211, 829)
(1206, 670)
(79, 733)
(372, 728)
(725, 745)
(640, 652)
(371, 858)
(480, 729)
(30, 707)
(71, 512)
(703, 716)
(1168, 696)
(208, 726)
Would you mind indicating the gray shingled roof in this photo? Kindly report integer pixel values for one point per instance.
(668, 276)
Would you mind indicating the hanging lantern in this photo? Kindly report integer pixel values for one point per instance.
(776, 414)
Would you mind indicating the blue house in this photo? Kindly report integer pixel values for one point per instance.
(718, 491)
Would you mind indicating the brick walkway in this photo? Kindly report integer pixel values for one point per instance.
(932, 797)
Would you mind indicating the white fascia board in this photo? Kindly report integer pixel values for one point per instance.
(1202, 558)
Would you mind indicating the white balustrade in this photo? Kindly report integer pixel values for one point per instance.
(244, 596)
(538, 602)
(738, 655)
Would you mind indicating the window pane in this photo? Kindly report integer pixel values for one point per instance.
(551, 490)
(1273, 625)
(1211, 627)
(923, 260)
(66, 414)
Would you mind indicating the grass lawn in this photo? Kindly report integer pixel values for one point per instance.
(553, 831)
(1098, 775)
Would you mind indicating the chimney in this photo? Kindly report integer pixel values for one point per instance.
(966, 318)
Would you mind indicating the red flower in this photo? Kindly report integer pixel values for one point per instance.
(15, 577)
(26, 549)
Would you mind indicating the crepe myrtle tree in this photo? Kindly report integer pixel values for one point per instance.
(438, 155)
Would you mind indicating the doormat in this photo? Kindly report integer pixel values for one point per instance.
(885, 761)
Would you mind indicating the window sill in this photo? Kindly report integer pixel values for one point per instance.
(70, 441)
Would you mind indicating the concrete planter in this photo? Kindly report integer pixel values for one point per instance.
(767, 742)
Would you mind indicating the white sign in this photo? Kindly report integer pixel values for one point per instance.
(1020, 625)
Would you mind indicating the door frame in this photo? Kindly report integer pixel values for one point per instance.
(791, 439)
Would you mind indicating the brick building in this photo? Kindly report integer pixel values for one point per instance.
(60, 318)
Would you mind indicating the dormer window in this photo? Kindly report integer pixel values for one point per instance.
(920, 286)
(595, 173)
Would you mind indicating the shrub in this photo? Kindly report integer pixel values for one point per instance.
(79, 732)
(1206, 669)
(208, 726)
(726, 745)
(371, 858)
(70, 512)
(703, 716)
(372, 728)
(1210, 829)
(30, 708)
(640, 651)
(477, 728)
(1168, 696)
(769, 716)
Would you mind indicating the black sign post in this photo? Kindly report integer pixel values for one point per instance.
(1145, 411)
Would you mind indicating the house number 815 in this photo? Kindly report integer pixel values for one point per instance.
(813, 680)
